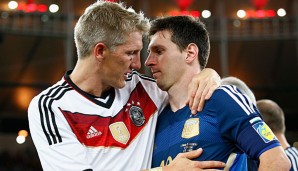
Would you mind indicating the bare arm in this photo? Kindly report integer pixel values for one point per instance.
(274, 159)
(201, 88)
(182, 162)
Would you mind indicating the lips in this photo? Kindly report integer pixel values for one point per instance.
(126, 74)
(155, 74)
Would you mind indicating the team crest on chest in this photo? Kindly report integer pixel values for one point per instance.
(120, 132)
(191, 128)
(135, 113)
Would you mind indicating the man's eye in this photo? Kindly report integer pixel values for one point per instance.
(158, 51)
(132, 53)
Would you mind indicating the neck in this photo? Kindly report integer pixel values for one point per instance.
(282, 139)
(86, 78)
(178, 93)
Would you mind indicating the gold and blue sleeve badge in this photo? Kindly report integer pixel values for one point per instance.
(264, 131)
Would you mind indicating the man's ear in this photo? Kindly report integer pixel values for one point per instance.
(99, 51)
(192, 51)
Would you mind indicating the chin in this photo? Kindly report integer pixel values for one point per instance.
(121, 85)
(161, 86)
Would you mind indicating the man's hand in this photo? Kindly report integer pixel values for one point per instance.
(182, 162)
(201, 88)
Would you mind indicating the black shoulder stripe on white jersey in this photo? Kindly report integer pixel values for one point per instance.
(47, 117)
(51, 89)
(239, 98)
(292, 154)
(129, 78)
(41, 109)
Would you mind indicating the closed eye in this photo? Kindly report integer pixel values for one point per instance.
(156, 50)
(132, 52)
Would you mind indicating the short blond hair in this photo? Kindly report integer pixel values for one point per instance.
(106, 22)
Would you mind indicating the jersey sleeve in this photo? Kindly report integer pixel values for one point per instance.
(57, 146)
(241, 123)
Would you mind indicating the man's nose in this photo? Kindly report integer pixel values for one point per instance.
(149, 61)
(136, 63)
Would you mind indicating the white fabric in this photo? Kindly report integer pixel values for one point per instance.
(57, 140)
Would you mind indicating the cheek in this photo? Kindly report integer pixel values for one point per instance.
(124, 61)
(123, 65)
(165, 62)
(171, 66)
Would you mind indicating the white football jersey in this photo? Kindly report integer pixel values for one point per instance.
(73, 130)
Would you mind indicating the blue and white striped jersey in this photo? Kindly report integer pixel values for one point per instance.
(229, 124)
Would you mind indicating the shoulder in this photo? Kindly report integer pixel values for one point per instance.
(146, 87)
(53, 92)
(148, 83)
(136, 75)
(136, 78)
(229, 97)
(229, 92)
(226, 90)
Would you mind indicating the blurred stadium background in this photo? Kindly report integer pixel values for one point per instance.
(254, 40)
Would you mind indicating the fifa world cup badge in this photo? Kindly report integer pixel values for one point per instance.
(191, 128)
(120, 132)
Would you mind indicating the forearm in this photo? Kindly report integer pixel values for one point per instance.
(274, 159)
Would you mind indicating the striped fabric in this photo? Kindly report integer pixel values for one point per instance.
(292, 153)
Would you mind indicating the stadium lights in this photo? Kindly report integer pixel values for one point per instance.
(12, 5)
(53, 8)
(21, 138)
(281, 12)
(32, 7)
(183, 5)
(23, 133)
(241, 13)
(206, 13)
(260, 13)
(189, 13)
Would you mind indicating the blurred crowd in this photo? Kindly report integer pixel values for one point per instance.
(25, 160)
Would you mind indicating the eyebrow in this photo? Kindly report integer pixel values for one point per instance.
(156, 46)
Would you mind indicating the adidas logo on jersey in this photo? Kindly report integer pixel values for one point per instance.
(93, 133)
